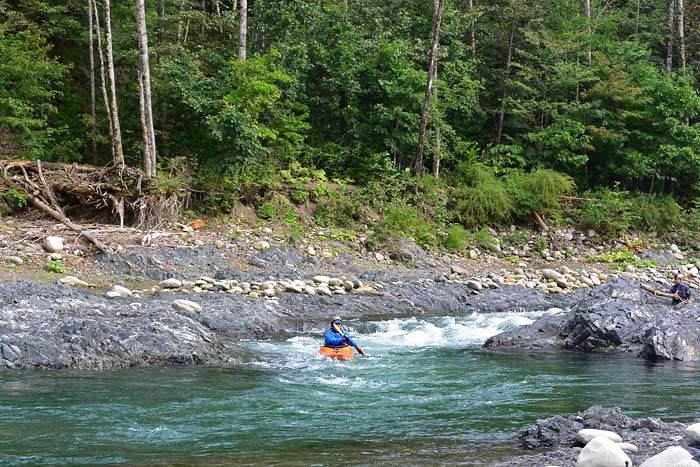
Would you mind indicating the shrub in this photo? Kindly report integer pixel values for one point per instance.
(655, 213)
(606, 211)
(487, 201)
(404, 221)
(457, 238)
(55, 266)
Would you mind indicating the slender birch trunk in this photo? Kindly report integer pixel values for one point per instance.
(509, 58)
(437, 156)
(93, 106)
(681, 31)
(472, 28)
(437, 23)
(636, 23)
(243, 29)
(669, 44)
(587, 11)
(149, 154)
(103, 80)
(118, 151)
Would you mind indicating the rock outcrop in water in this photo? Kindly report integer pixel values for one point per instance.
(56, 326)
(616, 317)
(557, 435)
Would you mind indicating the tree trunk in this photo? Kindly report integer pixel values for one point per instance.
(669, 44)
(103, 80)
(472, 28)
(149, 154)
(437, 22)
(118, 151)
(243, 29)
(636, 23)
(437, 157)
(147, 159)
(681, 31)
(93, 110)
(587, 10)
(509, 58)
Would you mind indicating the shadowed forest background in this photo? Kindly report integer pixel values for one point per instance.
(581, 112)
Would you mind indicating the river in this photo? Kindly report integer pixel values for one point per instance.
(429, 396)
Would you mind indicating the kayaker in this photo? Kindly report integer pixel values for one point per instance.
(337, 336)
(680, 291)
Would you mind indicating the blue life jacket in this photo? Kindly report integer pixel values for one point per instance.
(335, 339)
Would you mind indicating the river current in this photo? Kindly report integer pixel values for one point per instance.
(429, 396)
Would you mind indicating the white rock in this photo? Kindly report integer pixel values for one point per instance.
(601, 452)
(553, 275)
(693, 432)
(321, 279)
(254, 295)
(53, 244)
(349, 285)
(15, 260)
(309, 290)
(72, 281)
(170, 283)
(688, 463)
(261, 245)
(311, 251)
(323, 291)
(55, 257)
(269, 293)
(475, 284)
(335, 282)
(629, 447)
(587, 434)
(671, 457)
(473, 254)
(378, 256)
(187, 305)
(119, 291)
(458, 270)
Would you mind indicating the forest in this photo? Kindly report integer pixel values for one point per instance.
(430, 119)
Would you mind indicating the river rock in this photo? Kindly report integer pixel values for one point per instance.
(261, 245)
(629, 447)
(53, 244)
(475, 284)
(119, 291)
(693, 432)
(602, 452)
(170, 283)
(458, 270)
(187, 305)
(671, 457)
(321, 279)
(16, 260)
(587, 434)
(73, 281)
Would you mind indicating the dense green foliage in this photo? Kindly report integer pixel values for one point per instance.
(323, 115)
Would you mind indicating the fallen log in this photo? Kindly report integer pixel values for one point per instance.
(65, 221)
(657, 291)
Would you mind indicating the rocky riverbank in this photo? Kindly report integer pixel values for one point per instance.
(187, 297)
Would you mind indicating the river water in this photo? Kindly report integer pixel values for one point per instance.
(429, 396)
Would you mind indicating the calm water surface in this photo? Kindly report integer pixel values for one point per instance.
(429, 397)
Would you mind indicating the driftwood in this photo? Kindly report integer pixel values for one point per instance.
(116, 195)
(657, 291)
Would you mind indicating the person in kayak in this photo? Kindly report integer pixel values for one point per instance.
(680, 291)
(337, 336)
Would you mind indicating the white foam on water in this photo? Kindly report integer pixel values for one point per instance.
(471, 330)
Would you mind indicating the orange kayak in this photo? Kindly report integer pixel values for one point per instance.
(338, 353)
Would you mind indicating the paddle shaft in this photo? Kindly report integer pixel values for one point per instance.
(341, 329)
